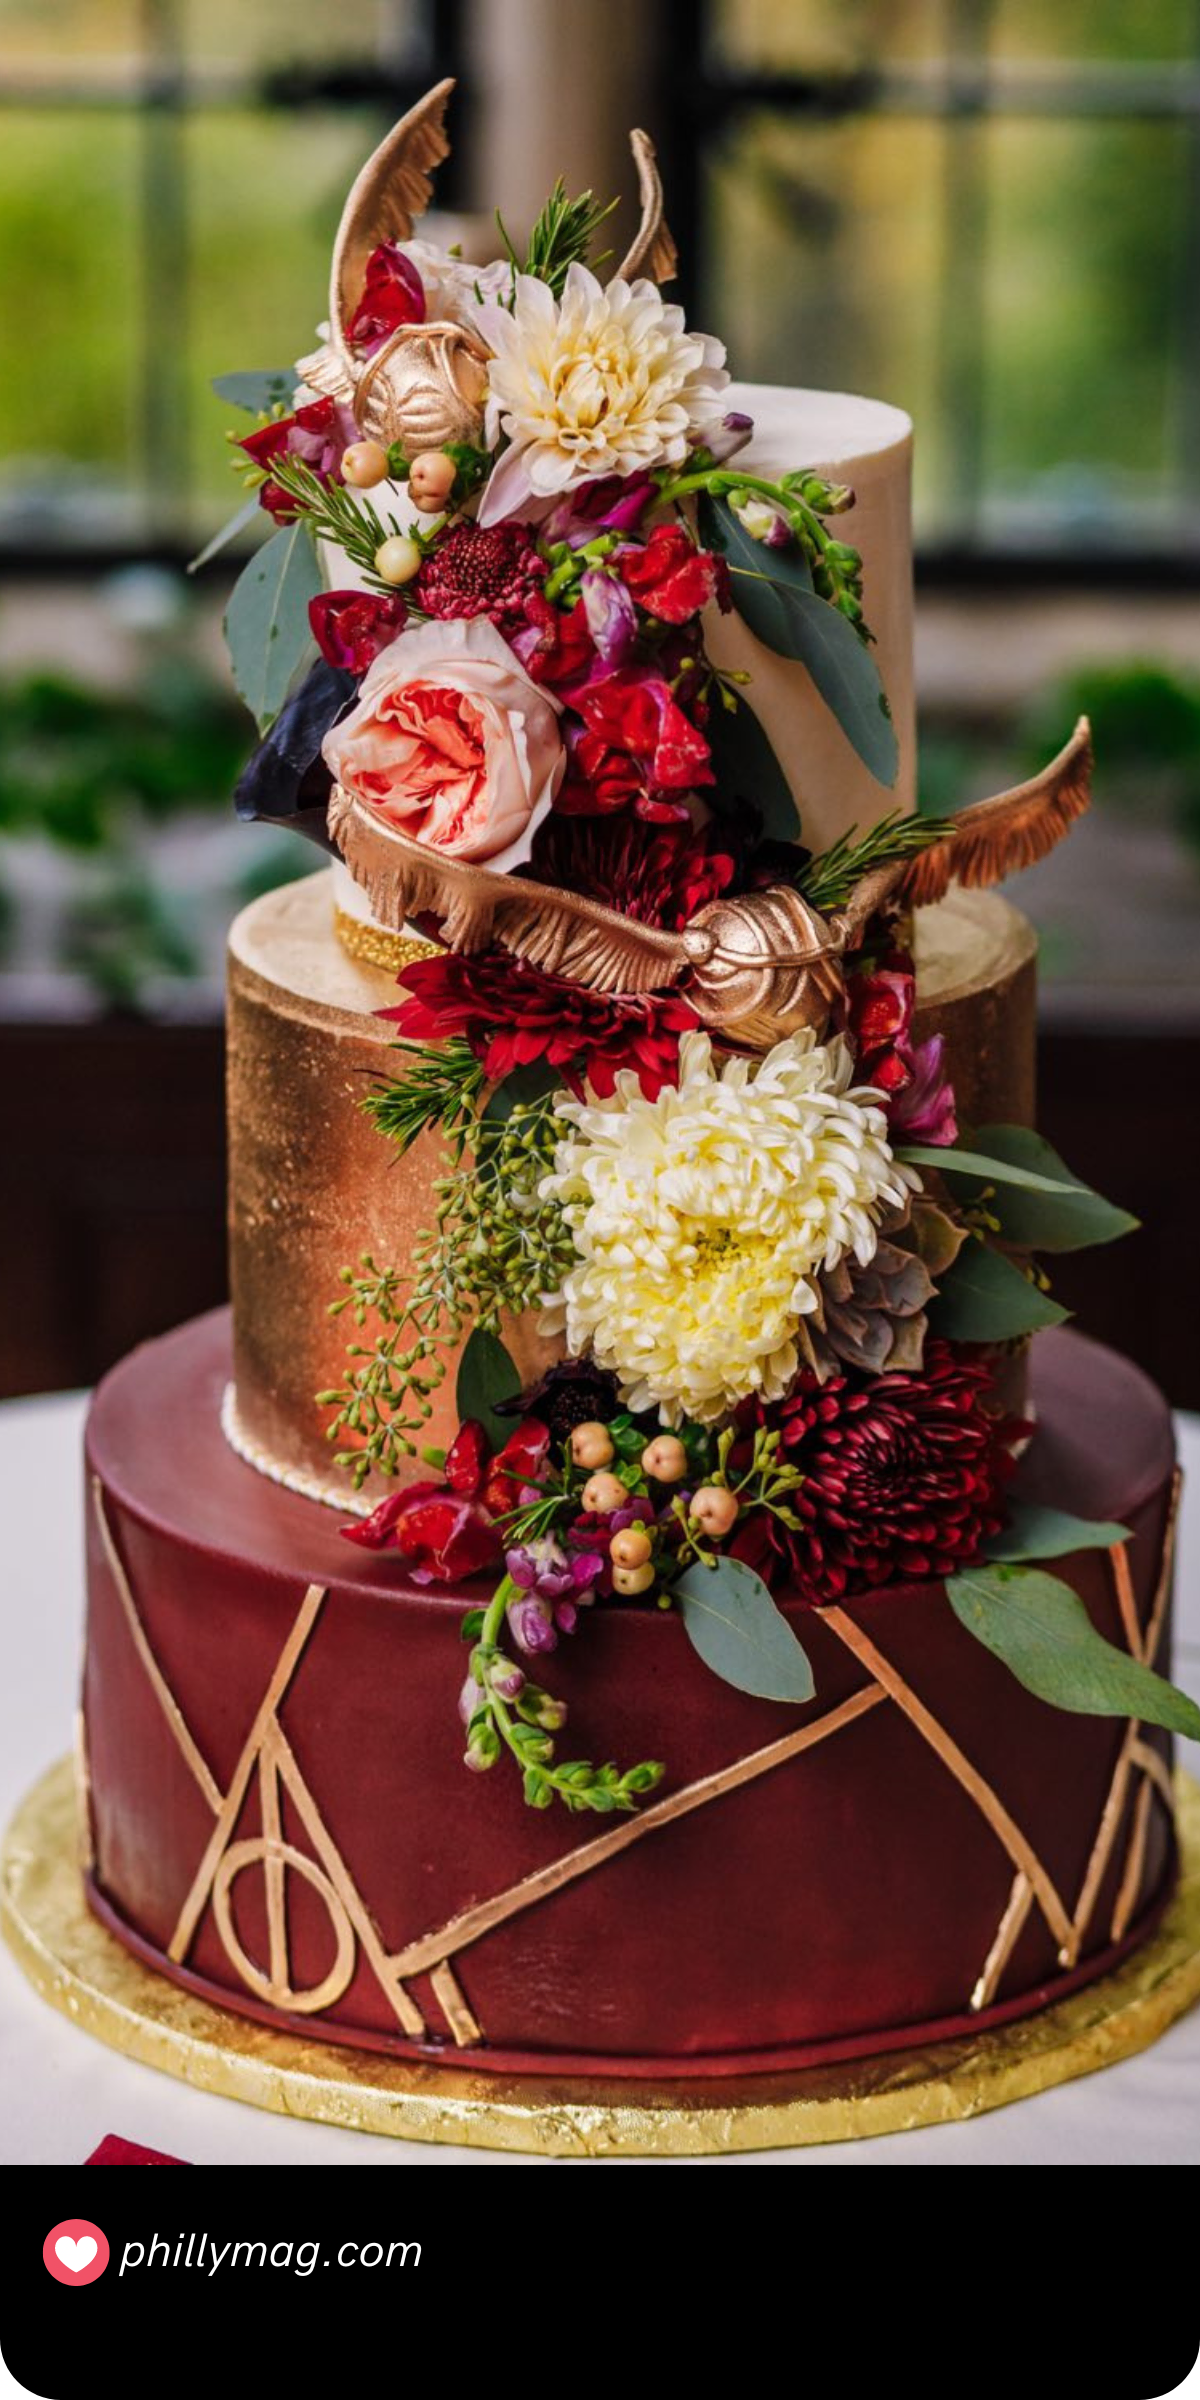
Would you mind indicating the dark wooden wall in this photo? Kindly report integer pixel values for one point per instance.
(112, 1192)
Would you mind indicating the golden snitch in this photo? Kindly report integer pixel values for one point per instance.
(426, 385)
(760, 965)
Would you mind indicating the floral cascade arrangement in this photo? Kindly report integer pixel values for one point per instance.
(783, 1285)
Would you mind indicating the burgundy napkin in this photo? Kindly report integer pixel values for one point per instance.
(116, 2152)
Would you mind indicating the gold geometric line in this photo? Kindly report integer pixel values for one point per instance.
(988, 1802)
(273, 1868)
(1106, 1834)
(1162, 1590)
(1157, 1770)
(463, 2025)
(1020, 1901)
(335, 1867)
(1118, 1559)
(433, 1948)
(1134, 1860)
(285, 1667)
(162, 1690)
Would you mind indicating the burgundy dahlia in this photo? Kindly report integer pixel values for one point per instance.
(488, 572)
(904, 1478)
(511, 1014)
(660, 876)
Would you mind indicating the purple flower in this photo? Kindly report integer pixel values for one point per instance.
(552, 1583)
(609, 504)
(611, 615)
(924, 1109)
(761, 519)
(506, 1679)
(732, 435)
(469, 1699)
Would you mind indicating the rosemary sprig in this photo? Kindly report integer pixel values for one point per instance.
(331, 514)
(828, 881)
(443, 1087)
(562, 235)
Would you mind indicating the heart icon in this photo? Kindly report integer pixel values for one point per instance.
(75, 2254)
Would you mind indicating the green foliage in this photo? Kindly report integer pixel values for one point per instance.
(746, 767)
(1041, 1630)
(735, 1627)
(525, 1723)
(829, 880)
(486, 1375)
(332, 513)
(124, 934)
(81, 765)
(495, 1245)
(258, 390)
(266, 622)
(985, 1297)
(562, 236)
(1034, 1199)
(803, 601)
(1033, 1532)
(442, 1088)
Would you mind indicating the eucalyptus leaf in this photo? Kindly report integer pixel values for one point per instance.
(266, 622)
(1040, 1205)
(985, 1298)
(256, 389)
(1042, 1632)
(736, 1628)
(1036, 1532)
(245, 515)
(747, 769)
(974, 1167)
(486, 1375)
(773, 594)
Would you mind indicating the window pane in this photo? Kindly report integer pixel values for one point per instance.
(1082, 309)
(824, 261)
(788, 35)
(1066, 29)
(266, 192)
(69, 37)
(277, 32)
(70, 332)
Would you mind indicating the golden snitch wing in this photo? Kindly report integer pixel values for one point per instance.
(385, 201)
(987, 841)
(652, 251)
(758, 966)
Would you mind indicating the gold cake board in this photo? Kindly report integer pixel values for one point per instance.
(80, 1969)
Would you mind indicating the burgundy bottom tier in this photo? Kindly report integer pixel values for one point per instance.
(280, 1819)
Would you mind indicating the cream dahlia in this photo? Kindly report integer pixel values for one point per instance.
(702, 1218)
(605, 381)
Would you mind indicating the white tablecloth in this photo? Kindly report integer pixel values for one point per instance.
(60, 2091)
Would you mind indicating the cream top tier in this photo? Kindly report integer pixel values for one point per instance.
(868, 445)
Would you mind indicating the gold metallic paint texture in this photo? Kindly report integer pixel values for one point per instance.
(312, 1185)
(86, 1974)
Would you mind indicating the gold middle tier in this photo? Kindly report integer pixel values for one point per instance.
(312, 1185)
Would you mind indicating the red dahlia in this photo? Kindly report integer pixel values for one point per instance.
(903, 1478)
(660, 877)
(512, 1014)
(489, 572)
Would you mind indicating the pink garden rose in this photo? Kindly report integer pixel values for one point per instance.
(452, 742)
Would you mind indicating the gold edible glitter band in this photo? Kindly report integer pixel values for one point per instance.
(374, 946)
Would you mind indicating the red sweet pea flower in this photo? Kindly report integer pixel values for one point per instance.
(600, 781)
(918, 1096)
(393, 295)
(351, 628)
(521, 1461)
(440, 1534)
(556, 647)
(634, 711)
(673, 580)
(467, 1460)
(317, 435)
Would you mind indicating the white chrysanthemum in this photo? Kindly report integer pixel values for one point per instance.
(605, 381)
(702, 1218)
